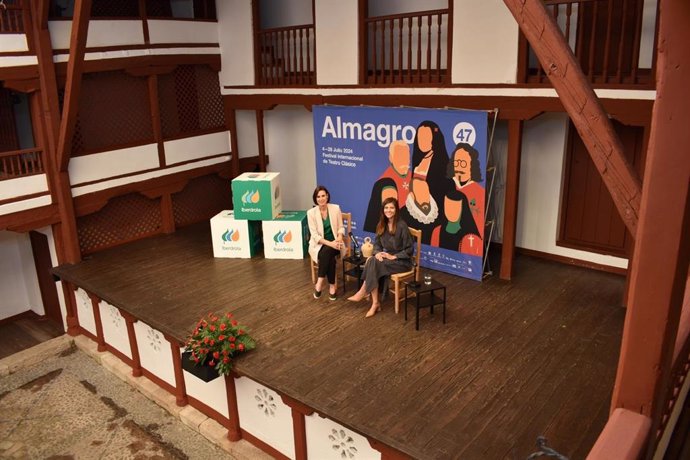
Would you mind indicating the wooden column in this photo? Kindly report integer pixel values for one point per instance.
(71, 308)
(299, 411)
(231, 123)
(180, 387)
(234, 433)
(156, 118)
(100, 339)
(510, 210)
(261, 139)
(662, 246)
(133, 346)
(583, 106)
(69, 249)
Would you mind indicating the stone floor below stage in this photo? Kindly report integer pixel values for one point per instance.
(58, 402)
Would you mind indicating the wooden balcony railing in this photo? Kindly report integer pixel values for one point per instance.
(21, 163)
(407, 49)
(13, 17)
(285, 56)
(606, 38)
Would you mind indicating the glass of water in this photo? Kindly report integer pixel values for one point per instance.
(427, 278)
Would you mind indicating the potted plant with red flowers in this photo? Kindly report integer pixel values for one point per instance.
(211, 348)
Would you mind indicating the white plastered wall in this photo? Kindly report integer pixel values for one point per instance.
(485, 42)
(541, 172)
(18, 280)
(235, 37)
(336, 42)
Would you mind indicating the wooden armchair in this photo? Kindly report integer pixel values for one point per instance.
(347, 225)
(397, 279)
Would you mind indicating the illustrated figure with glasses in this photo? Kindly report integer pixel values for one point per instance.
(462, 228)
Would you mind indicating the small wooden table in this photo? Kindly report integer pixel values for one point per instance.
(427, 295)
(353, 266)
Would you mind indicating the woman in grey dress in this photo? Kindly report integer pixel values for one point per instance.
(393, 250)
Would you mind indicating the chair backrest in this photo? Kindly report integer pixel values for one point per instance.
(417, 236)
(347, 225)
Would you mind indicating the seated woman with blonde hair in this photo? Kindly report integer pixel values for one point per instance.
(393, 250)
(326, 241)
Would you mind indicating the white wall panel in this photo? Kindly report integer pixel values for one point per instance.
(115, 328)
(264, 415)
(337, 40)
(85, 311)
(485, 42)
(328, 440)
(15, 297)
(154, 352)
(235, 37)
(21, 186)
(102, 165)
(212, 393)
(162, 31)
(23, 205)
(101, 33)
(13, 42)
(193, 148)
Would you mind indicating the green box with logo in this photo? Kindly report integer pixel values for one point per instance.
(286, 236)
(256, 196)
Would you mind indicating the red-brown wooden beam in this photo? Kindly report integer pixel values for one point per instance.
(180, 386)
(70, 106)
(261, 139)
(137, 371)
(234, 432)
(511, 198)
(69, 248)
(100, 339)
(582, 105)
(231, 123)
(659, 269)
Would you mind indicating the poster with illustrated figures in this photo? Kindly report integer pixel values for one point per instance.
(432, 161)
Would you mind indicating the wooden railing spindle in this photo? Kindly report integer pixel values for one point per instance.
(636, 43)
(592, 39)
(619, 72)
(439, 22)
(409, 49)
(428, 48)
(607, 44)
(400, 50)
(419, 49)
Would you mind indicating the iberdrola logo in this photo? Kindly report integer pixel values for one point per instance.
(231, 236)
(283, 236)
(251, 197)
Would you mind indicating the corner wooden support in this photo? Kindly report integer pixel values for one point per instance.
(180, 387)
(72, 318)
(100, 339)
(234, 432)
(134, 348)
(299, 411)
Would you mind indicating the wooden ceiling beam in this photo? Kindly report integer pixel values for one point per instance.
(77, 47)
(582, 104)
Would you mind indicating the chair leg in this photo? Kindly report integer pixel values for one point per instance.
(397, 296)
(313, 273)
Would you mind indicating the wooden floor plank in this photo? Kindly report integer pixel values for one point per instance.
(484, 385)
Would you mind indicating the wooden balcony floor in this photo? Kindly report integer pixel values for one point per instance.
(535, 356)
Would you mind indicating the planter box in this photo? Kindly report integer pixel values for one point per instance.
(205, 373)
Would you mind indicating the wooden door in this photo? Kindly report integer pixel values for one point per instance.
(588, 218)
(46, 282)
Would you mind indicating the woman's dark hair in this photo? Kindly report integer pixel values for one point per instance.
(317, 190)
(374, 208)
(436, 175)
(383, 220)
(475, 167)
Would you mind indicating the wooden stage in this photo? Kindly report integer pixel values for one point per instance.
(534, 356)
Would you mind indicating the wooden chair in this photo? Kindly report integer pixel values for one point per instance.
(396, 282)
(347, 225)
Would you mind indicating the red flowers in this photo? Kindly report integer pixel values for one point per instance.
(216, 339)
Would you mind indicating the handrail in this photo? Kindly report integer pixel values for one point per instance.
(281, 29)
(407, 15)
(21, 163)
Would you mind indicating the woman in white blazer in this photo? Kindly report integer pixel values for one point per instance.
(326, 240)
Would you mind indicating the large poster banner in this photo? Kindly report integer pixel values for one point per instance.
(432, 161)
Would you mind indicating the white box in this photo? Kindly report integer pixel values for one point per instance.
(234, 237)
(286, 236)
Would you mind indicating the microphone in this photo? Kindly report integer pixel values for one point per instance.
(354, 240)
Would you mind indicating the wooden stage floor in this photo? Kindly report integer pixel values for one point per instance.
(534, 356)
